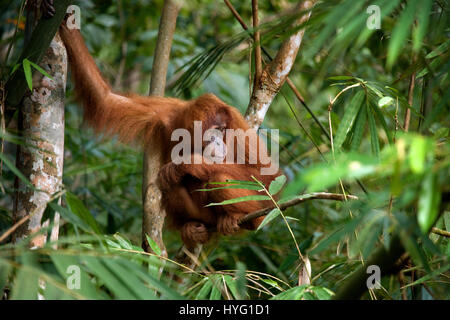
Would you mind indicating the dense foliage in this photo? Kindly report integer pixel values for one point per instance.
(355, 80)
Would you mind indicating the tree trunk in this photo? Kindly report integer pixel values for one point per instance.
(40, 159)
(154, 214)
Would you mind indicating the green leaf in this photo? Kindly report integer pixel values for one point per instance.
(272, 215)
(16, 66)
(215, 293)
(428, 202)
(5, 270)
(205, 290)
(78, 208)
(322, 293)
(430, 276)
(62, 262)
(27, 72)
(423, 17)
(348, 227)
(360, 126)
(385, 101)
(153, 245)
(26, 282)
(70, 216)
(38, 68)
(373, 134)
(240, 199)
(295, 293)
(347, 120)
(401, 31)
(16, 171)
(338, 78)
(277, 184)
(241, 280)
(120, 287)
(417, 154)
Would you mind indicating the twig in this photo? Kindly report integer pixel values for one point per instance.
(441, 232)
(288, 80)
(275, 73)
(295, 201)
(257, 43)
(410, 101)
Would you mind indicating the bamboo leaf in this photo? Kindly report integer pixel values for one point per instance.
(347, 120)
(428, 202)
(78, 208)
(423, 17)
(272, 215)
(373, 134)
(401, 31)
(277, 184)
(27, 72)
(360, 126)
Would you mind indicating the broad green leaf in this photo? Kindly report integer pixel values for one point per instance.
(65, 264)
(27, 72)
(385, 101)
(16, 66)
(377, 112)
(124, 273)
(241, 280)
(16, 171)
(295, 293)
(5, 270)
(124, 243)
(205, 290)
(423, 17)
(349, 117)
(78, 208)
(401, 31)
(430, 276)
(26, 282)
(373, 134)
(338, 78)
(231, 285)
(417, 154)
(428, 202)
(153, 245)
(215, 293)
(120, 287)
(337, 235)
(277, 184)
(38, 68)
(272, 215)
(360, 126)
(322, 293)
(70, 216)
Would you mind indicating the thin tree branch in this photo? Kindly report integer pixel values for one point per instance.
(288, 80)
(441, 232)
(410, 102)
(257, 43)
(275, 73)
(298, 200)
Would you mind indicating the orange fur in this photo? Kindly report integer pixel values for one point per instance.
(141, 118)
